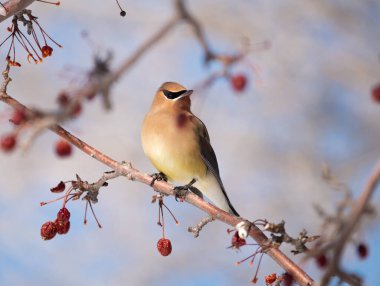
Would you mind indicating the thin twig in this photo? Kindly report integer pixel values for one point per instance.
(195, 230)
(185, 15)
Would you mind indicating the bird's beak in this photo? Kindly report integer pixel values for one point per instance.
(187, 93)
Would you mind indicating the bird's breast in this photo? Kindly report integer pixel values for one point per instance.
(170, 142)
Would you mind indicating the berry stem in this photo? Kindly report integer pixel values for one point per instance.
(93, 213)
(176, 221)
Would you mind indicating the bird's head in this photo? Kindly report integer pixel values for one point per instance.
(172, 95)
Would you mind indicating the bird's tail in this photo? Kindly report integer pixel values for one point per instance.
(214, 190)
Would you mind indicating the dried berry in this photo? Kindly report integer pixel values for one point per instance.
(63, 148)
(238, 82)
(122, 12)
(271, 278)
(47, 51)
(236, 241)
(362, 250)
(287, 279)
(376, 93)
(8, 142)
(322, 261)
(63, 99)
(59, 188)
(48, 230)
(77, 109)
(164, 246)
(62, 227)
(63, 215)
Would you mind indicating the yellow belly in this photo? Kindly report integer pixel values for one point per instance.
(173, 151)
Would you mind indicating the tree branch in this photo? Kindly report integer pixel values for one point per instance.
(12, 7)
(359, 208)
(131, 173)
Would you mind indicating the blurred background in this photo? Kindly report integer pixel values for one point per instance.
(309, 103)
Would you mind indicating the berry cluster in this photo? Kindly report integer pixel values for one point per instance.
(70, 104)
(237, 242)
(275, 280)
(77, 189)
(9, 141)
(34, 47)
(323, 260)
(61, 225)
(21, 119)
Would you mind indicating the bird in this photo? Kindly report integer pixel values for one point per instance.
(178, 145)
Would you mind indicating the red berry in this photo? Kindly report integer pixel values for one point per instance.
(48, 230)
(46, 51)
(8, 142)
(63, 148)
(18, 116)
(236, 241)
(376, 93)
(63, 227)
(77, 109)
(63, 215)
(59, 188)
(164, 246)
(362, 250)
(287, 279)
(271, 278)
(238, 82)
(322, 261)
(63, 99)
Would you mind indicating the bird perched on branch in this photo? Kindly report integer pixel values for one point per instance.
(178, 145)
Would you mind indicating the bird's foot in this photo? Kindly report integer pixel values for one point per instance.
(181, 191)
(158, 177)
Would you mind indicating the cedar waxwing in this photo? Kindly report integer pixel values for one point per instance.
(178, 145)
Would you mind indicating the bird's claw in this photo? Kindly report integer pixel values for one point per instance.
(182, 191)
(158, 177)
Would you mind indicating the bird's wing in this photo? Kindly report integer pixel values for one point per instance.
(209, 158)
(207, 153)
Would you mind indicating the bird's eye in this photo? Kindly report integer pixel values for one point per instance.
(172, 94)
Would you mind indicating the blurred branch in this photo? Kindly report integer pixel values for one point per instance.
(185, 15)
(351, 221)
(11, 7)
(131, 173)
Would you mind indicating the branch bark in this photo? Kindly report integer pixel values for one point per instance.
(12, 7)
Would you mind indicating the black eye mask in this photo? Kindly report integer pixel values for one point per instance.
(172, 94)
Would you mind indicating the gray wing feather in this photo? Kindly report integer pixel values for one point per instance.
(209, 158)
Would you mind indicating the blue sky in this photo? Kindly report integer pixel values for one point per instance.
(311, 106)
